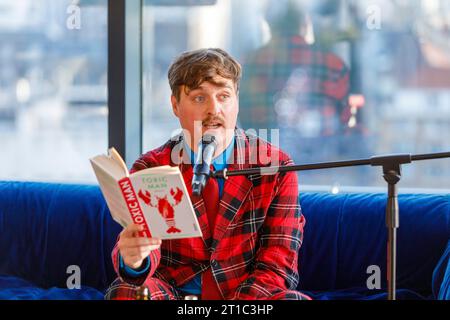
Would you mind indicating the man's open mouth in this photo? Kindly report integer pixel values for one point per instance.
(212, 125)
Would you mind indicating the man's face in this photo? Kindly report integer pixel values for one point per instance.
(211, 108)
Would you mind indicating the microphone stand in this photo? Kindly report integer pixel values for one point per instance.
(391, 165)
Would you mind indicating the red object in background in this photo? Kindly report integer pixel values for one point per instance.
(356, 100)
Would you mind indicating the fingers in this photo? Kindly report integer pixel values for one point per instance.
(140, 252)
(138, 242)
(131, 230)
(134, 248)
(134, 256)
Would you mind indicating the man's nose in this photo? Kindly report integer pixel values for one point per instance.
(214, 107)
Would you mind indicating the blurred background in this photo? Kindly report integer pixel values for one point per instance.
(53, 89)
(339, 79)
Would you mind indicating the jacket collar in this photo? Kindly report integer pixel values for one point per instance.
(242, 152)
(235, 191)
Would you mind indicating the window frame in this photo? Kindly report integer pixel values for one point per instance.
(124, 78)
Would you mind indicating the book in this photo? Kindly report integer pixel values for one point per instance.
(155, 198)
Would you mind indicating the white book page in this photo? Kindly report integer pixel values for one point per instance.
(108, 172)
(111, 165)
(118, 161)
(158, 170)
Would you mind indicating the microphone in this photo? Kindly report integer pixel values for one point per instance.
(206, 149)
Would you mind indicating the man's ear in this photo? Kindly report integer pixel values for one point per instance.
(174, 102)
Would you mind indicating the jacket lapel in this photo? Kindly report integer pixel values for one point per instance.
(186, 169)
(236, 188)
(235, 192)
(198, 204)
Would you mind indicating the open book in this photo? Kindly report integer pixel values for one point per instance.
(155, 198)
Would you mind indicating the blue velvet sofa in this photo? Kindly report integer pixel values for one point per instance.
(46, 228)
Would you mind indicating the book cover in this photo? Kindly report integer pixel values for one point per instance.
(155, 198)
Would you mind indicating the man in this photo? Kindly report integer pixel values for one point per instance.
(251, 236)
(294, 86)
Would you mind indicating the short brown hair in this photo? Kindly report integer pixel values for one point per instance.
(194, 67)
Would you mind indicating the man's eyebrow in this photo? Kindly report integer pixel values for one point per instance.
(227, 86)
(223, 85)
(217, 84)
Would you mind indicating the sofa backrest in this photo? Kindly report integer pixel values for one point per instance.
(346, 233)
(45, 228)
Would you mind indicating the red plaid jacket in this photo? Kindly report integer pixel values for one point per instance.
(258, 233)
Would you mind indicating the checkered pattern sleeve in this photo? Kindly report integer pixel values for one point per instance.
(154, 256)
(275, 266)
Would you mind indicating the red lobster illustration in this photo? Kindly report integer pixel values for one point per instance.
(164, 207)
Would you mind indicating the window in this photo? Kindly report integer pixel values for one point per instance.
(355, 79)
(53, 88)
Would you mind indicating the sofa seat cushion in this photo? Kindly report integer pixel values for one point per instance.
(361, 293)
(14, 288)
(441, 276)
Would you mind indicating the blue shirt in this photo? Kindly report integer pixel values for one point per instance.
(219, 163)
(194, 286)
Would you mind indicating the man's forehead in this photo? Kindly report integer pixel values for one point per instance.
(218, 83)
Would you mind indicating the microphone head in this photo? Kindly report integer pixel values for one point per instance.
(206, 149)
(209, 138)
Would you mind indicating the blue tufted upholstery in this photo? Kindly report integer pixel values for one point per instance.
(346, 233)
(44, 228)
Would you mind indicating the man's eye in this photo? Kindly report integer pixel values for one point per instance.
(199, 99)
(224, 96)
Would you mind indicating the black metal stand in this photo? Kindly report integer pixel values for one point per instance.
(391, 173)
(392, 223)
